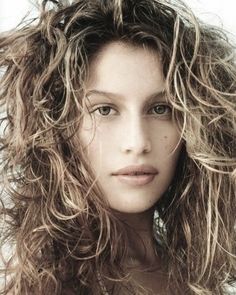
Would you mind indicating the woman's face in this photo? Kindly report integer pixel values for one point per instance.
(127, 122)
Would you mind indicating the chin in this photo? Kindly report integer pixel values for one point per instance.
(133, 209)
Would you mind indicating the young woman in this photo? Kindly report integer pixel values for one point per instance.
(118, 151)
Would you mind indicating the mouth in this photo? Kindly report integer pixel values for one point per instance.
(136, 175)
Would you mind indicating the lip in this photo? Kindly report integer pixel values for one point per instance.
(129, 170)
(127, 175)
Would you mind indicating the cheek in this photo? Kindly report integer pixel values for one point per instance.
(166, 140)
(168, 146)
(171, 142)
(94, 143)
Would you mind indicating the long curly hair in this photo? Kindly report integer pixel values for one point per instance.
(63, 237)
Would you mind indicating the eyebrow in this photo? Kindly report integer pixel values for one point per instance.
(157, 95)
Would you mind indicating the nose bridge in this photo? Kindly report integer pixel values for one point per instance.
(136, 137)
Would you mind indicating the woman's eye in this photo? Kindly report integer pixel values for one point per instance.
(161, 109)
(103, 110)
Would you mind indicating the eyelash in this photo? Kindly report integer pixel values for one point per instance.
(168, 110)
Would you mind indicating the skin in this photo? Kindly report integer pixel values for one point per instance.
(129, 125)
(132, 133)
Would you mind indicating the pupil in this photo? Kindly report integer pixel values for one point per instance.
(160, 109)
(105, 110)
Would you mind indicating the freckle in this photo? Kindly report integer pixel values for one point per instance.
(165, 137)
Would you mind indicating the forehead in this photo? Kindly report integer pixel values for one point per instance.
(119, 53)
(126, 70)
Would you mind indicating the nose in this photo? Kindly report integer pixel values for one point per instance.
(136, 137)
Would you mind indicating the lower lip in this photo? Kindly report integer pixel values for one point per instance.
(136, 180)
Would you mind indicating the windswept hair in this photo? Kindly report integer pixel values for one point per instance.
(64, 238)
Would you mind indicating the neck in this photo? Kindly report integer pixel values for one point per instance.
(141, 245)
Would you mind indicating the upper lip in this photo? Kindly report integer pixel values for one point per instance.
(133, 169)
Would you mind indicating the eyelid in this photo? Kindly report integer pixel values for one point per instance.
(98, 105)
(160, 103)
